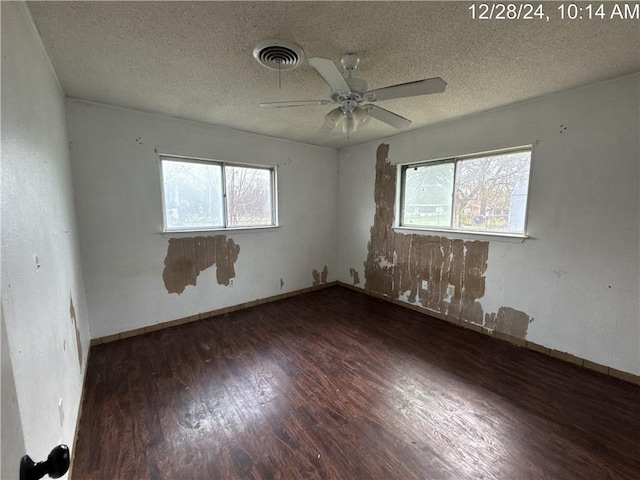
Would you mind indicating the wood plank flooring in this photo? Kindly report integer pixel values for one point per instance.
(336, 384)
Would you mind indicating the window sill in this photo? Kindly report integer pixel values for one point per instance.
(464, 234)
(217, 231)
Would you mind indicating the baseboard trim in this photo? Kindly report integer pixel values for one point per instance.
(203, 315)
(520, 342)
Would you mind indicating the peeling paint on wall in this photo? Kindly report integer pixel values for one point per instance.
(355, 275)
(397, 264)
(187, 257)
(72, 313)
(320, 277)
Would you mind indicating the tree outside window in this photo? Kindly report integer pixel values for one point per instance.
(196, 197)
(479, 193)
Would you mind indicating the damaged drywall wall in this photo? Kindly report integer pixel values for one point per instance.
(353, 273)
(454, 269)
(320, 277)
(187, 257)
(508, 320)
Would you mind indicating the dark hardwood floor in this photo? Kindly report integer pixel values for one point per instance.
(336, 384)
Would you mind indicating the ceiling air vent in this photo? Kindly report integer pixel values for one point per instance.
(278, 54)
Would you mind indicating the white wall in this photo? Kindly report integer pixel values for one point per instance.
(38, 219)
(118, 197)
(12, 436)
(577, 274)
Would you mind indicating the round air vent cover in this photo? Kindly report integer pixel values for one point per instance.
(278, 54)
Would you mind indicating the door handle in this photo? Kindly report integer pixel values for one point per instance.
(56, 465)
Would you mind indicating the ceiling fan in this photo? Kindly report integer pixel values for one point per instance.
(356, 103)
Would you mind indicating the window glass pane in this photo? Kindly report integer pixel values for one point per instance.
(249, 197)
(427, 195)
(192, 195)
(491, 193)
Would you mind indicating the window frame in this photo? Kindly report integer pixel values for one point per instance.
(273, 170)
(401, 191)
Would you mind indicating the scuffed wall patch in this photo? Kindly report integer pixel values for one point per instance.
(397, 264)
(72, 314)
(187, 257)
(355, 275)
(320, 277)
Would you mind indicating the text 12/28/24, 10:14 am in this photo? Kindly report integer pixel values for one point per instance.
(563, 11)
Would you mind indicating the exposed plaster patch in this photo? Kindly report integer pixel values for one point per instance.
(397, 263)
(475, 265)
(508, 320)
(324, 274)
(383, 262)
(320, 277)
(355, 275)
(72, 313)
(187, 257)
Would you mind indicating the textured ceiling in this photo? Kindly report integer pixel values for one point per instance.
(194, 60)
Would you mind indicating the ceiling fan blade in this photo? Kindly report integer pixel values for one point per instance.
(411, 89)
(296, 103)
(330, 74)
(387, 117)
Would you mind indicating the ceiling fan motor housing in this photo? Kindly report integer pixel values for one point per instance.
(358, 88)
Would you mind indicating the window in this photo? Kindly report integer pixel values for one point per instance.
(477, 193)
(209, 195)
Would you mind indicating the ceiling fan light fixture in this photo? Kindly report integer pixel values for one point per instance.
(332, 120)
(360, 116)
(356, 119)
(349, 126)
(278, 54)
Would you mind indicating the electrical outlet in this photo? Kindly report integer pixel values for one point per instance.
(61, 411)
(451, 290)
(232, 282)
(425, 285)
